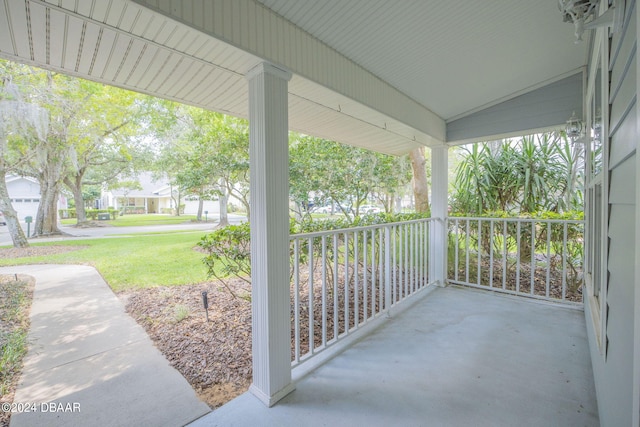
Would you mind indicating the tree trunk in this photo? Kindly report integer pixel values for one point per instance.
(224, 200)
(11, 217)
(420, 185)
(200, 208)
(47, 218)
(75, 185)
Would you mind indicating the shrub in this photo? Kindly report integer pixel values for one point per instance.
(228, 254)
(180, 312)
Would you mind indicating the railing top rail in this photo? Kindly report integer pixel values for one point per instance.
(356, 229)
(543, 220)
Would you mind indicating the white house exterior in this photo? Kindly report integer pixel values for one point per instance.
(388, 76)
(24, 193)
(153, 198)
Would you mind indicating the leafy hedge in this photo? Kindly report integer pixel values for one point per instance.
(92, 214)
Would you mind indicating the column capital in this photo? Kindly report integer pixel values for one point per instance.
(268, 68)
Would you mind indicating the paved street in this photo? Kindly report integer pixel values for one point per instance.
(88, 233)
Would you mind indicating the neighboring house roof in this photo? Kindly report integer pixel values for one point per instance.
(151, 186)
(13, 178)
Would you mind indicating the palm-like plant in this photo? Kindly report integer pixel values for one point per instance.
(533, 173)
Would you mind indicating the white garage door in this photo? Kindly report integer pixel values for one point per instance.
(25, 207)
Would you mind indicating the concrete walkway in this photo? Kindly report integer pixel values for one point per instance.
(89, 363)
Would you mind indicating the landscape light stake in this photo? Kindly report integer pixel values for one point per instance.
(205, 302)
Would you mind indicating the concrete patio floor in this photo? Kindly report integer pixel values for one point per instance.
(457, 357)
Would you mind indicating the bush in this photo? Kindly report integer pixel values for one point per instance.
(66, 213)
(92, 214)
(228, 253)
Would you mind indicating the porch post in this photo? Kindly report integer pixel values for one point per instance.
(269, 189)
(636, 306)
(439, 209)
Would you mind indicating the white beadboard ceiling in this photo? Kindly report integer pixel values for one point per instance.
(452, 56)
(380, 74)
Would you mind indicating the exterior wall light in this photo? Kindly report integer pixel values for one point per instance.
(579, 12)
(573, 127)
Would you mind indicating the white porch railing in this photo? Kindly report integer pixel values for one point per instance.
(343, 279)
(536, 258)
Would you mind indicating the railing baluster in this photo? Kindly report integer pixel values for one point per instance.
(412, 258)
(421, 247)
(547, 284)
(296, 298)
(336, 289)
(518, 237)
(365, 283)
(457, 245)
(381, 246)
(564, 262)
(324, 290)
(356, 290)
(394, 264)
(407, 273)
(427, 248)
(479, 252)
(374, 311)
(491, 231)
(387, 267)
(346, 284)
(533, 256)
(311, 321)
(466, 250)
(505, 253)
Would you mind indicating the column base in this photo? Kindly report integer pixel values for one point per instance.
(271, 400)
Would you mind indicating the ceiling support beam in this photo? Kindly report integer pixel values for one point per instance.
(269, 216)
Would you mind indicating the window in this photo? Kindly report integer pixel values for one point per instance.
(597, 182)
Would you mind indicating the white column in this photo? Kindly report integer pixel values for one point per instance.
(269, 175)
(439, 209)
(636, 305)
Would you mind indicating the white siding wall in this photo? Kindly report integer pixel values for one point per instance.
(613, 364)
(25, 197)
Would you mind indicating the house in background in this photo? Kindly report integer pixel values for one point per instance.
(153, 197)
(24, 193)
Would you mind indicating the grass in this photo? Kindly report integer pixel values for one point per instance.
(133, 220)
(15, 300)
(134, 262)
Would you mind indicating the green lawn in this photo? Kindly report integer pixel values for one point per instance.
(139, 261)
(142, 219)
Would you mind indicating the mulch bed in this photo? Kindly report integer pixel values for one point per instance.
(214, 356)
(8, 325)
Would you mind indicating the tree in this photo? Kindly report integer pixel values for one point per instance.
(16, 118)
(84, 119)
(204, 153)
(109, 145)
(345, 175)
(536, 172)
(420, 184)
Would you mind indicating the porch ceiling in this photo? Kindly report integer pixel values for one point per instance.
(414, 65)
